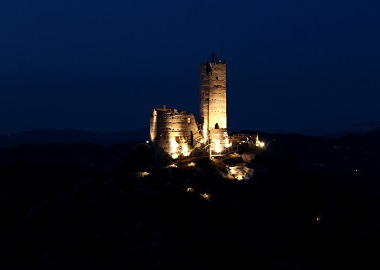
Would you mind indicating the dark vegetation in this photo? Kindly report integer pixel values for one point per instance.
(86, 206)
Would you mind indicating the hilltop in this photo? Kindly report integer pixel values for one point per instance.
(311, 202)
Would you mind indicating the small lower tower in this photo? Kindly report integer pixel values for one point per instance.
(174, 131)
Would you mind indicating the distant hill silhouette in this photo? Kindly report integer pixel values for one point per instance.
(47, 136)
(374, 133)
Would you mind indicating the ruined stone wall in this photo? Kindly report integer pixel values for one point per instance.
(167, 125)
(213, 99)
(153, 125)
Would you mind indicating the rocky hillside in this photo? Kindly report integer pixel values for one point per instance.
(138, 209)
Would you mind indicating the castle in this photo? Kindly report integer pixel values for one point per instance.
(177, 132)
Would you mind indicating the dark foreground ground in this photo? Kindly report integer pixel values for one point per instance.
(312, 203)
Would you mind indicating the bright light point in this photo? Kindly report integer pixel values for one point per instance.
(147, 141)
(173, 166)
(189, 189)
(318, 217)
(141, 174)
(191, 164)
(173, 149)
(205, 196)
(217, 146)
(185, 149)
(205, 134)
(227, 144)
(236, 173)
(259, 143)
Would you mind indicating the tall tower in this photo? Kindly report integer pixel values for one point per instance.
(213, 99)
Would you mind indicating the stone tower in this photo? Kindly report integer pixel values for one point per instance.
(174, 131)
(213, 99)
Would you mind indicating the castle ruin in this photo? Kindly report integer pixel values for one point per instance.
(177, 132)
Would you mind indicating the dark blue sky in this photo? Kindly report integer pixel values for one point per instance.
(102, 65)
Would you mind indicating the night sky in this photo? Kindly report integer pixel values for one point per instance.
(102, 65)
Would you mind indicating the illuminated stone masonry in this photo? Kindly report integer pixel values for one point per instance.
(213, 100)
(178, 132)
(174, 131)
(213, 105)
